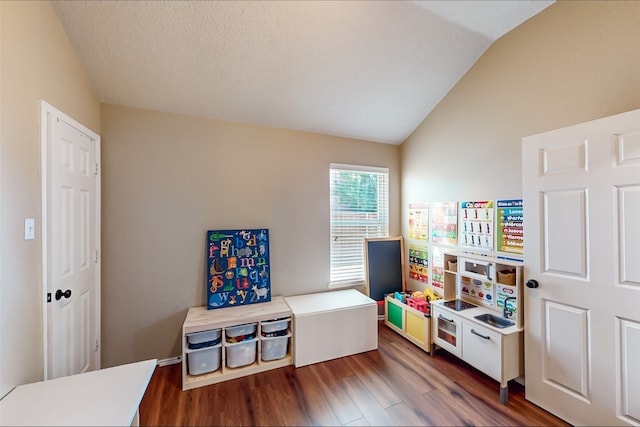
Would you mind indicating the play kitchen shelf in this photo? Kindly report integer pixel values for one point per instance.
(483, 324)
(227, 343)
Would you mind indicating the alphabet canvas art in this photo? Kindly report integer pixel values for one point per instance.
(237, 267)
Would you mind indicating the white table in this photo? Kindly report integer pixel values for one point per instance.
(107, 397)
(329, 325)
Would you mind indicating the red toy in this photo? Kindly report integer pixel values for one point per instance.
(418, 304)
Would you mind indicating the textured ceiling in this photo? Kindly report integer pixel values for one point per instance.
(369, 70)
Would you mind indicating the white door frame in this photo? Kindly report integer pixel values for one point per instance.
(49, 111)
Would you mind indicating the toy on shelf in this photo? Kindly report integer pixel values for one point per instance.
(428, 295)
(402, 296)
(419, 304)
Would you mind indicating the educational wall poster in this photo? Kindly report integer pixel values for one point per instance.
(480, 290)
(510, 232)
(476, 226)
(444, 223)
(506, 291)
(237, 267)
(437, 268)
(419, 221)
(419, 262)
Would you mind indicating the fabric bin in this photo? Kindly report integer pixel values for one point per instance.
(507, 277)
(274, 348)
(241, 353)
(204, 360)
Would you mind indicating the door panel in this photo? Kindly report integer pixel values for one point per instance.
(628, 148)
(566, 351)
(581, 190)
(565, 248)
(629, 370)
(628, 203)
(564, 159)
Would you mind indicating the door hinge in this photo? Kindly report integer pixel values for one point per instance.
(97, 256)
(97, 171)
(97, 346)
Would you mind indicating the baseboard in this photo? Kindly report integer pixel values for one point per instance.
(170, 361)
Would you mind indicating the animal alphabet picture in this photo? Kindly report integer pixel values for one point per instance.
(237, 267)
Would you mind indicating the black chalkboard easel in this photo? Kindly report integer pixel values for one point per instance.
(384, 266)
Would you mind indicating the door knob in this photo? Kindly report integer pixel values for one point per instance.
(532, 283)
(60, 294)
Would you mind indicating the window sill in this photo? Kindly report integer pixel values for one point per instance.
(342, 285)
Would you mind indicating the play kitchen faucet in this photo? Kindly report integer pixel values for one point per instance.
(506, 312)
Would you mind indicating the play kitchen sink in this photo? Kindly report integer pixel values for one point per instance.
(493, 320)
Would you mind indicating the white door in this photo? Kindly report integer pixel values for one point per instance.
(70, 245)
(581, 188)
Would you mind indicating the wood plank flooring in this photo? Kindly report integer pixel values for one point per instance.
(398, 384)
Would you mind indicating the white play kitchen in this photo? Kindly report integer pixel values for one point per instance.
(479, 320)
(471, 258)
(484, 325)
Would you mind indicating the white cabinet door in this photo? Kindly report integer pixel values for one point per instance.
(581, 188)
(482, 349)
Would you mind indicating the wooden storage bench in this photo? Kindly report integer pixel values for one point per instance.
(333, 324)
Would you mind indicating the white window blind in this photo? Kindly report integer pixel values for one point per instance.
(359, 209)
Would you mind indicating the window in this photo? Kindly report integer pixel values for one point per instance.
(359, 208)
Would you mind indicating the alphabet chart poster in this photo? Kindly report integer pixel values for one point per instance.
(238, 267)
(444, 223)
(476, 226)
(510, 233)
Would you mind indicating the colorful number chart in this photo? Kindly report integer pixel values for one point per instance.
(476, 226)
(510, 233)
(238, 267)
(444, 223)
(419, 262)
(437, 268)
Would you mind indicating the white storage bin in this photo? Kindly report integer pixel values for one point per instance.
(201, 339)
(274, 348)
(274, 325)
(204, 360)
(236, 331)
(241, 353)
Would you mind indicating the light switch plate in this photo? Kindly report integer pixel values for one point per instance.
(29, 228)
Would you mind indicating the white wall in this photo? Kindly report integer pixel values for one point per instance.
(575, 61)
(37, 63)
(168, 178)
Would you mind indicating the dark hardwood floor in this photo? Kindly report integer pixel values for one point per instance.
(398, 384)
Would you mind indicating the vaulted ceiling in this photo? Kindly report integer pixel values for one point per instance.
(369, 70)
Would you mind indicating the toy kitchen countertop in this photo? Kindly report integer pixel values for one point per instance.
(470, 311)
(458, 304)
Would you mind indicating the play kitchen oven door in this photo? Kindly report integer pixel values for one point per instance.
(448, 330)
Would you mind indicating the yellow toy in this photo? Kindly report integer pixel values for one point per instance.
(427, 295)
